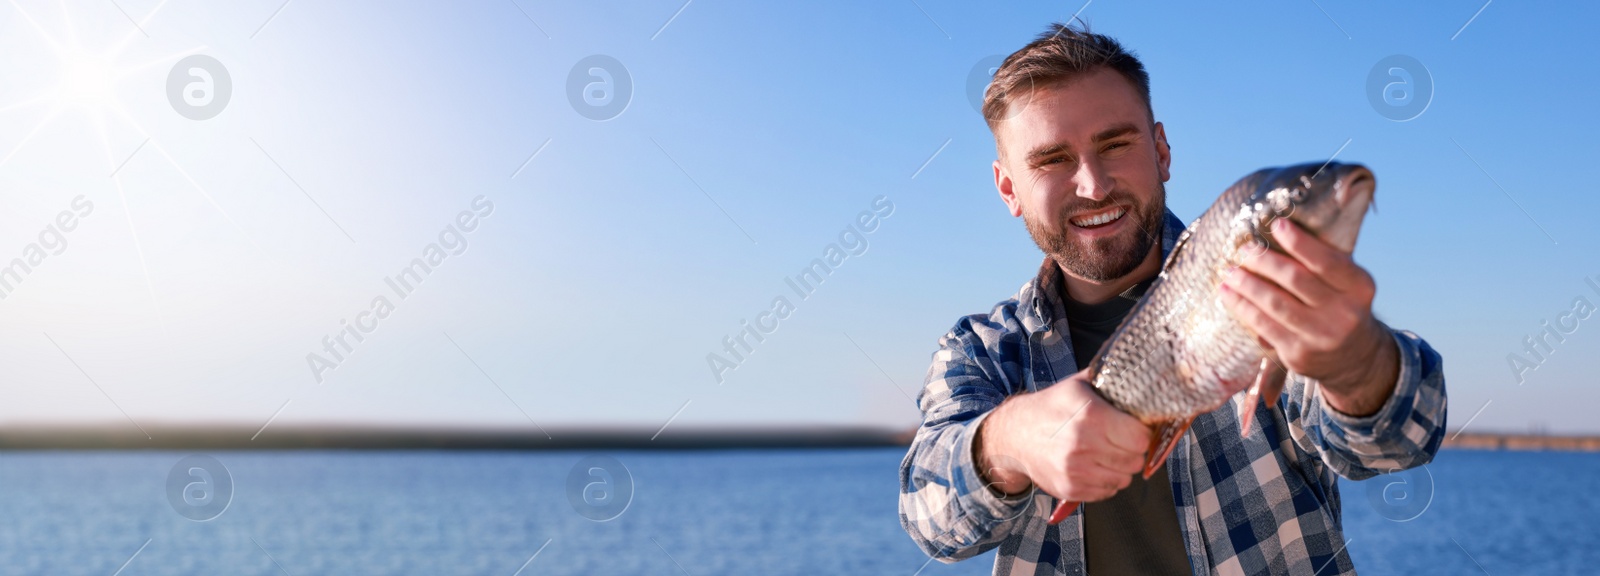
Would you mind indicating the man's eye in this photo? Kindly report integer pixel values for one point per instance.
(1116, 145)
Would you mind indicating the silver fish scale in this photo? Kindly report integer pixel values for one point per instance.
(1179, 353)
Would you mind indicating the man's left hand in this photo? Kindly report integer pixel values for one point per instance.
(1312, 304)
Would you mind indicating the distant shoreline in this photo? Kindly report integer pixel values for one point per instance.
(1491, 441)
(398, 438)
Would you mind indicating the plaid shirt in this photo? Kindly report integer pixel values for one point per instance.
(1267, 503)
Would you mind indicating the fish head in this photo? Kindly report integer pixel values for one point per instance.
(1330, 200)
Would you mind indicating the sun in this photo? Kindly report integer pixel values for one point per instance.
(87, 79)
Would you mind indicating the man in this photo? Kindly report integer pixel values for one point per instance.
(1011, 426)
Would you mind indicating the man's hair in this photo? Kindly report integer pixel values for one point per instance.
(1059, 54)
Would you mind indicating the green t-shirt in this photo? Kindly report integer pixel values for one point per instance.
(1136, 531)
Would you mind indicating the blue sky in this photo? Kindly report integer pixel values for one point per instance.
(624, 252)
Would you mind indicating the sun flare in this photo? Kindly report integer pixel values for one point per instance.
(87, 79)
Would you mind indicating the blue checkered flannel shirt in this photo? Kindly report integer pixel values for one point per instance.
(1267, 503)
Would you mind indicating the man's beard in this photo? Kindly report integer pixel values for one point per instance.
(1104, 259)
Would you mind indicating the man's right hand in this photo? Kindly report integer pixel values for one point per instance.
(1066, 439)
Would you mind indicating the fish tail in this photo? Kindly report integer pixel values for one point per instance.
(1247, 408)
(1164, 439)
(1063, 510)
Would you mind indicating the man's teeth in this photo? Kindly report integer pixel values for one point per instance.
(1099, 219)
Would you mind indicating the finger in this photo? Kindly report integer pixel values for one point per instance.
(1331, 264)
(1106, 479)
(1292, 276)
(1095, 494)
(1273, 300)
(1123, 462)
(1125, 433)
(1086, 486)
(1256, 320)
(1105, 494)
(1097, 489)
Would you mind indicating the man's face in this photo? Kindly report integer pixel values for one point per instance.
(1083, 166)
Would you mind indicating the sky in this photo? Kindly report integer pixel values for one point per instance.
(608, 190)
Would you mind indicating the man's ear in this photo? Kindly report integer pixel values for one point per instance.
(1163, 152)
(1008, 194)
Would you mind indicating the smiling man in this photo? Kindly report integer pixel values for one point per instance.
(1011, 425)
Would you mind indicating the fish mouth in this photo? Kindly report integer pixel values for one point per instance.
(1099, 218)
(1353, 190)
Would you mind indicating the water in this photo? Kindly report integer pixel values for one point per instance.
(695, 513)
(1508, 512)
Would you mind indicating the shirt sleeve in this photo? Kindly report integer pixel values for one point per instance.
(944, 504)
(1404, 433)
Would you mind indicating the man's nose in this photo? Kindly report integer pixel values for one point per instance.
(1092, 181)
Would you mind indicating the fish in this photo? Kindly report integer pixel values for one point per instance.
(1179, 353)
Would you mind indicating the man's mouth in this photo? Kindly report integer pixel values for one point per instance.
(1101, 218)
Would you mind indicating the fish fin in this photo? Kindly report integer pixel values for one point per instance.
(1063, 510)
(1272, 386)
(1164, 439)
(1268, 386)
(1247, 407)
